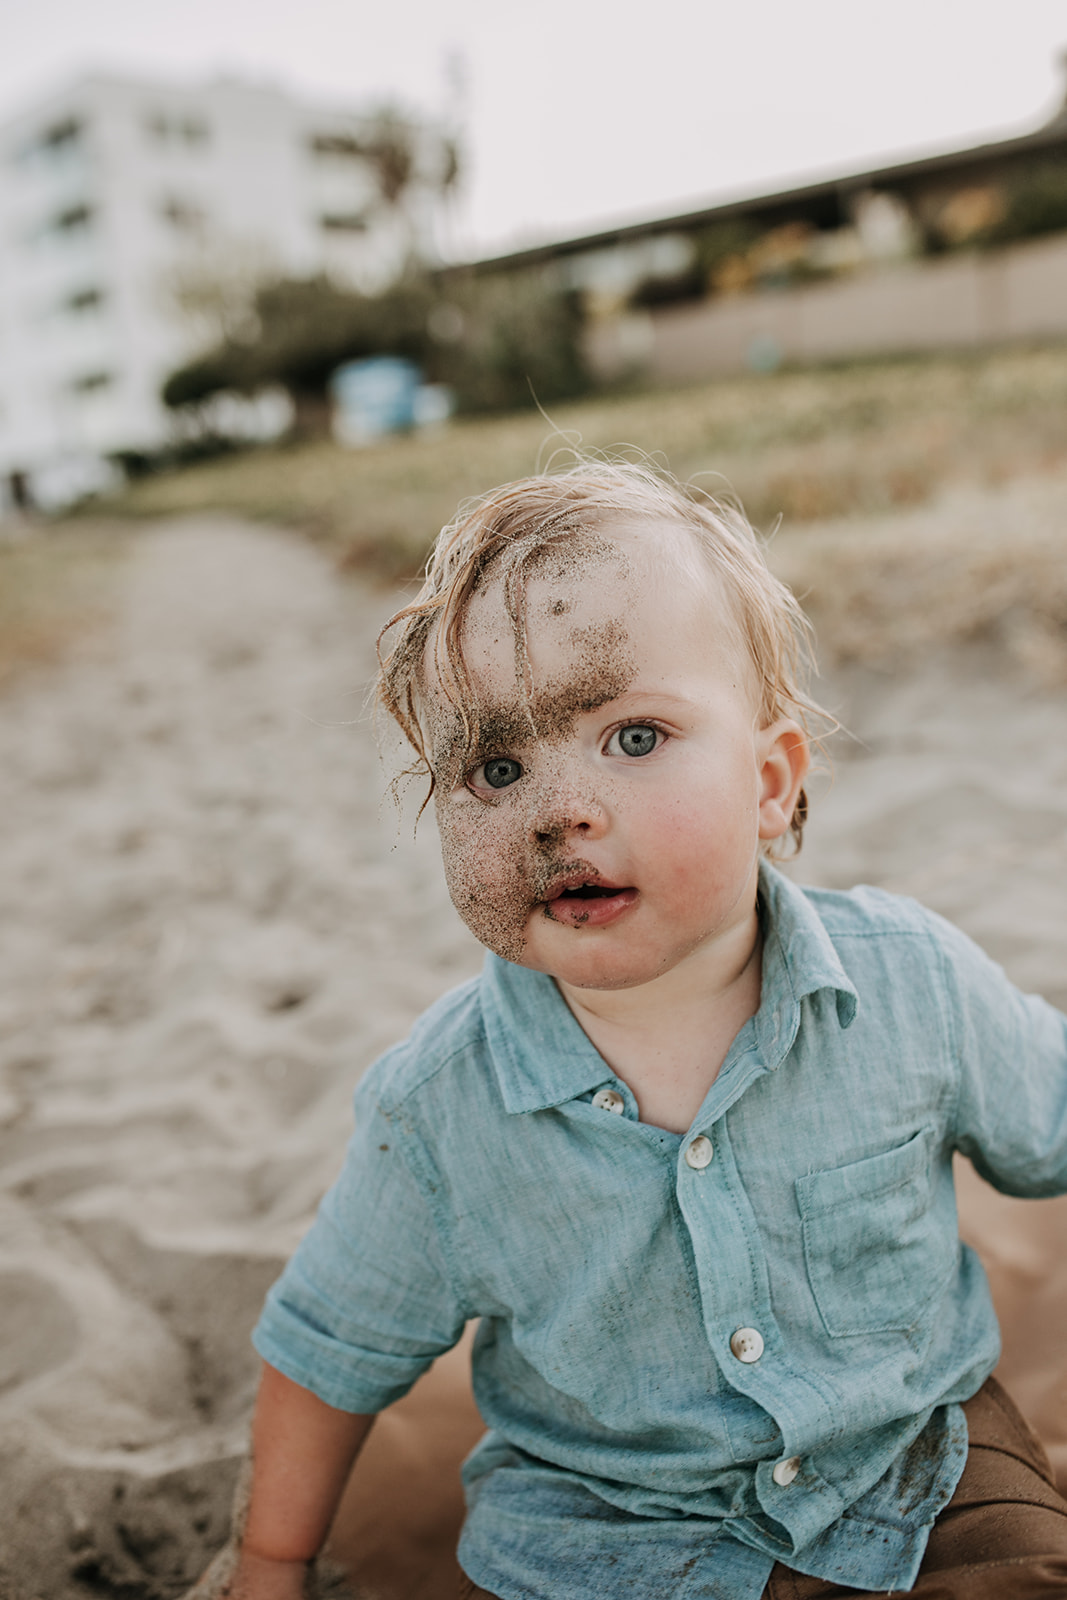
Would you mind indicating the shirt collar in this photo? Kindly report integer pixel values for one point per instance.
(543, 1058)
(799, 959)
(541, 1055)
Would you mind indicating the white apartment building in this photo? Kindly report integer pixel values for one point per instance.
(134, 216)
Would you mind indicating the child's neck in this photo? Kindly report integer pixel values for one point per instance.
(667, 1039)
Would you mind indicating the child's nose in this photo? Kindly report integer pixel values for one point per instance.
(562, 815)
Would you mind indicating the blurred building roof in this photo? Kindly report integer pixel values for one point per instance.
(825, 203)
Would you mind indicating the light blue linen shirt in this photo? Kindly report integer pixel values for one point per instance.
(630, 1449)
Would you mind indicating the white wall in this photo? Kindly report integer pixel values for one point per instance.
(958, 301)
(210, 185)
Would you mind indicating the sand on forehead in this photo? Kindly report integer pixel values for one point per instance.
(210, 926)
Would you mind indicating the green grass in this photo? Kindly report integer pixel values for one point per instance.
(800, 446)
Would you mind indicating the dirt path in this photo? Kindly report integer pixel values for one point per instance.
(209, 924)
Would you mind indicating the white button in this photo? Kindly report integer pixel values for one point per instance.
(608, 1100)
(783, 1472)
(747, 1344)
(700, 1152)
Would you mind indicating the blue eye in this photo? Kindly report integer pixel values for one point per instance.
(636, 740)
(501, 771)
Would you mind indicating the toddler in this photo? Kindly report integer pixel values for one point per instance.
(684, 1148)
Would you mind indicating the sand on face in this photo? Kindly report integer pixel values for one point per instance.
(211, 924)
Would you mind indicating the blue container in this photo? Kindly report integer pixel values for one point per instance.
(374, 397)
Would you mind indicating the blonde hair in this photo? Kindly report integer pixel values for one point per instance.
(500, 535)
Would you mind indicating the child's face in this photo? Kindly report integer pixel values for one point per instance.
(610, 826)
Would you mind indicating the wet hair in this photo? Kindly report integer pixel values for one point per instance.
(502, 536)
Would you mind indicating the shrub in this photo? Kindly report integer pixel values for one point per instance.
(1036, 203)
(497, 340)
(519, 343)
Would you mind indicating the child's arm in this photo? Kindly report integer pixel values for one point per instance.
(302, 1451)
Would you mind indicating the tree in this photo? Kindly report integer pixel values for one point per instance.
(297, 333)
(518, 341)
(501, 342)
(390, 145)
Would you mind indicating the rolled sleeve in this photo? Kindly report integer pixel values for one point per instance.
(1011, 1117)
(366, 1303)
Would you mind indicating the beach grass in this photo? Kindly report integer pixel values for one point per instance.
(55, 582)
(912, 504)
(981, 567)
(799, 446)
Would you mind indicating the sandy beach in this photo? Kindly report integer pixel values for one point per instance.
(213, 920)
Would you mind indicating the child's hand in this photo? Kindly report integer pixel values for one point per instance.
(286, 1497)
(260, 1578)
(250, 1577)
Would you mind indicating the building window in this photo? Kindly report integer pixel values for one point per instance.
(184, 216)
(336, 144)
(84, 300)
(71, 221)
(175, 130)
(92, 382)
(59, 140)
(340, 222)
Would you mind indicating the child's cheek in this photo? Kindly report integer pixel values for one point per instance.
(484, 865)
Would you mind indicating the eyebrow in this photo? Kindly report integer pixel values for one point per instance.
(553, 711)
(559, 704)
(501, 727)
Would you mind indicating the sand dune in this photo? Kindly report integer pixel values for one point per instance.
(211, 923)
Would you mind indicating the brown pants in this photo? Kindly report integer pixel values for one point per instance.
(1002, 1536)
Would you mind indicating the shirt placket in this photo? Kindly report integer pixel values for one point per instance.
(750, 1348)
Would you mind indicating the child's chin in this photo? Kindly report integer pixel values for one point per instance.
(596, 971)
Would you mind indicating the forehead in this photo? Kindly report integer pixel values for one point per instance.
(568, 627)
(645, 582)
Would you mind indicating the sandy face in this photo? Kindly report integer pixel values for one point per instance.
(607, 823)
(565, 653)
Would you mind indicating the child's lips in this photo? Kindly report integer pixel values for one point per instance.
(588, 902)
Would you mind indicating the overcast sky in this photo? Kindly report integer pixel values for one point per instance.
(577, 112)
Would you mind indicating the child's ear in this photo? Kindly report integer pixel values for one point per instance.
(786, 757)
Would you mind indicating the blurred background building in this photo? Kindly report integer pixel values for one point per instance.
(956, 250)
(135, 217)
(195, 264)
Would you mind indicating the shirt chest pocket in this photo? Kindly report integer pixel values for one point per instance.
(875, 1248)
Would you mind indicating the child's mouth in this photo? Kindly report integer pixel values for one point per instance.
(589, 903)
